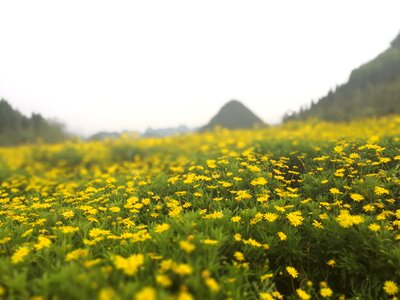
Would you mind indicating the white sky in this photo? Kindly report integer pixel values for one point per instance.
(114, 65)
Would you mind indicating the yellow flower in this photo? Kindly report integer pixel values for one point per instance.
(345, 219)
(184, 295)
(390, 287)
(335, 191)
(266, 276)
(161, 228)
(163, 280)
(317, 224)
(239, 256)
(129, 265)
(68, 214)
(303, 294)
(187, 246)
(215, 215)
(325, 292)
(259, 181)
(266, 296)
(282, 236)
(374, 227)
(295, 218)
(19, 255)
(114, 209)
(77, 254)
(42, 242)
(147, 293)
(212, 284)
(357, 197)
(107, 294)
(331, 262)
(182, 269)
(209, 242)
(292, 272)
(68, 229)
(380, 191)
(236, 219)
(270, 217)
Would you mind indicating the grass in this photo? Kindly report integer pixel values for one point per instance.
(303, 210)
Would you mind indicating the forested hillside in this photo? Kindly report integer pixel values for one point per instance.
(373, 90)
(15, 128)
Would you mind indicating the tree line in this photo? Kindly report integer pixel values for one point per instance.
(16, 128)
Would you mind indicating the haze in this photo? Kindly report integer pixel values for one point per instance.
(129, 65)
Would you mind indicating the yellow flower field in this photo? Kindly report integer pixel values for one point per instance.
(297, 211)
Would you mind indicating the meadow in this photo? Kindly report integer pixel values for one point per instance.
(298, 211)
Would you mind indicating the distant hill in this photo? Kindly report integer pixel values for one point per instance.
(373, 90)
(15, 128)
(102, 135)
(234, 115)
(162, 132)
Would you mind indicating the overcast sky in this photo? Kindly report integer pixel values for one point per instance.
(114, 65)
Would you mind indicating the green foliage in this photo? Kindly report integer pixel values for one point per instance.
(125, 152)
(373, 90)
(15, 128)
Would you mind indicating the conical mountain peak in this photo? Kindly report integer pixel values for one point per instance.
(234, 115)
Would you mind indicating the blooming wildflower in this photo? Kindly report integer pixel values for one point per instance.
(147, 293)
(5, 240)
(26, 233)
(368, 208)
(76, 254)
(42, 242)
(209, 242)
(163, 280)
(161, 227)
(335, 191)
(292, 272)
(182, 269)
(270, 217)
(107, 294)
(266, 276)
(303, 294)
(242, 195)
(325, 292)
(345, 219)
(331, 262)
(238, 255)
(68, 214)
(114, 209)
(390, 287)
(236, 219)
(184, 295)
(380, 191)
(263, 198)
(266, 296)
(19, 255)
(212, 284)
(357, 197)
(237, 237)
(68, 229)
(187, 246)
(282, 236)
(317, 224)
(215, 215)
(374, 227)
(259, 181)
(295, 218)
(129, 265)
